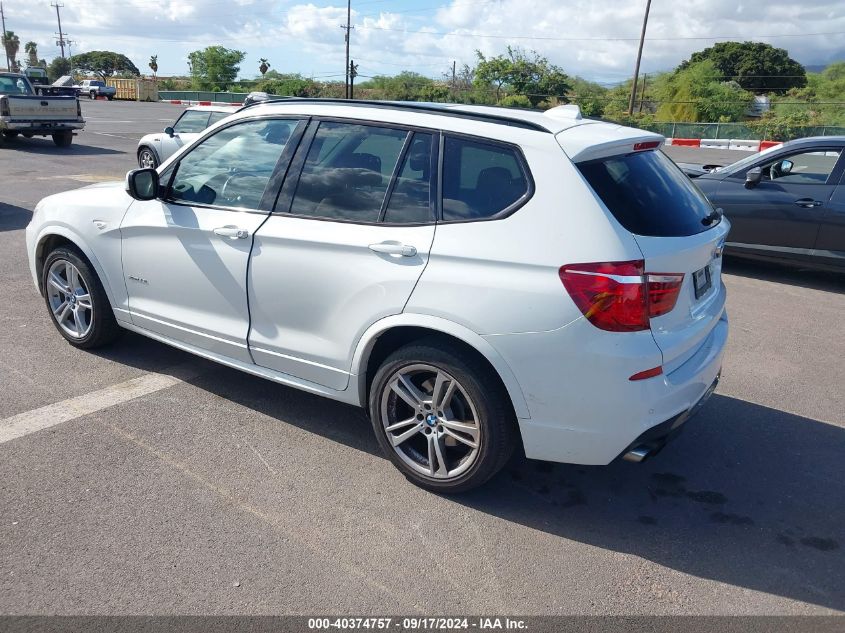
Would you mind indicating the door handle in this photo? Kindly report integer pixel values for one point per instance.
(232, 232)
(394, 248)
(808, 203)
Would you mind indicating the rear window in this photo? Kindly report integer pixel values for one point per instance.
(648, 194)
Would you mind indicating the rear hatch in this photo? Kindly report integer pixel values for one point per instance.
(42, 108)
(679, 234)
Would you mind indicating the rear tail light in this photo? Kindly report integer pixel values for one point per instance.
(4, 107)
(78, 109)
(639, 147)
(620, 296)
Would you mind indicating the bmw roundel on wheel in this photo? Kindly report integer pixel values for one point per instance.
(480, 280)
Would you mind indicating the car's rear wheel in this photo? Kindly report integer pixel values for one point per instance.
(11, 134)
(78, 305)
(110, 97)
(147, 158)
(63, 139)
(441, 417)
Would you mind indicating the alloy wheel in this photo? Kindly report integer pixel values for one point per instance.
(70, 299)
(430, 421)
(146, 159)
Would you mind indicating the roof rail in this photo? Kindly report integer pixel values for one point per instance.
(442, 110)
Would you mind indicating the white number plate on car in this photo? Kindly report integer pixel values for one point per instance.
(701, 281)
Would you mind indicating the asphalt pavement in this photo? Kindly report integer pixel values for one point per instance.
(208, 491)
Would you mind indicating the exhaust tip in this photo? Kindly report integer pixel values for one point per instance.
(637, 454)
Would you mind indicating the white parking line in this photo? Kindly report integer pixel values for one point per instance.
(60, 412)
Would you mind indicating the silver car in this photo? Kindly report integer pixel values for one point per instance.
(154, 149)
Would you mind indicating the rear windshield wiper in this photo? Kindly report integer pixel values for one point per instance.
(714, 216)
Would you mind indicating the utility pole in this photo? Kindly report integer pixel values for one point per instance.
(353, 72)
(454, 81)
(639, 58)
(642, 94)
(348, 27)
(3, 19)
(59, 18)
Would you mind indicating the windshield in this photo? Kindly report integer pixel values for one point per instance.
(14, 86)
(648, 194)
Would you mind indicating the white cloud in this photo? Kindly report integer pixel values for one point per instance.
(305, 37)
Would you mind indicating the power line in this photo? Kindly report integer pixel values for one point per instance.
(595, 39)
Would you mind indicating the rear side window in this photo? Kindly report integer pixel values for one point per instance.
(648, 194)
(410, 201)
(480, 180)
(347, 172)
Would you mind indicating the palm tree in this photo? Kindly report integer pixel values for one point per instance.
(12, 44)
(31, 49)
(263, 66)
(154, 64)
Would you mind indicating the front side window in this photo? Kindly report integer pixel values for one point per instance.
(232, 167)
(347, 171)
(191, 122)
(217, 116)
(480, 180)
(805, 168)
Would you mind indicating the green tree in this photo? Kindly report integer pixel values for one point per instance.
(406, 86)
(755, 66)
(214, 67)
(698, 93)
(524, 73)
(31, 49)
(12, 44)
(153, 64)
(59, 67)
(590, 97)
(263, 66)
(104, 64)
(289, 86)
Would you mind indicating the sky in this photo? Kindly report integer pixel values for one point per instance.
(595, 39)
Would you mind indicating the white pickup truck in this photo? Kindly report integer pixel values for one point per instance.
(24, 112)
(95, 88)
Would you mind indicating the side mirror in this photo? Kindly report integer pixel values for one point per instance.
(786, 167)
(169, 131)
(142, 184)
(753, 177)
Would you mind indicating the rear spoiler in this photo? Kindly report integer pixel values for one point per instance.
(595, 140)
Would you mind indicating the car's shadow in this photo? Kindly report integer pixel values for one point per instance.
(46, 146)
(792, 274)
(12, 217)
(748, 495)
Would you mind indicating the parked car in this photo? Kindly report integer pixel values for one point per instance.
(786, 203)
(95, 88)
(475, 277)
(154, 149)
(22, 112)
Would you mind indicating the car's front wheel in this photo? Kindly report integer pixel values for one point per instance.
(76, 300)
(441, 416)
(92, 95)
(147, 158)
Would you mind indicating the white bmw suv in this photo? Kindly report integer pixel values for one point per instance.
(477, 278)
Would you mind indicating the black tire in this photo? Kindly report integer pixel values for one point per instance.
(11, 134)
(496, 421)
(63, 139)
(146, 150)
(110, 97)
(104, 328)
(92, 95)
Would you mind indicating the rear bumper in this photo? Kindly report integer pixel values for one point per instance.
(652, 441)
(43, 128)
(583, 408)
